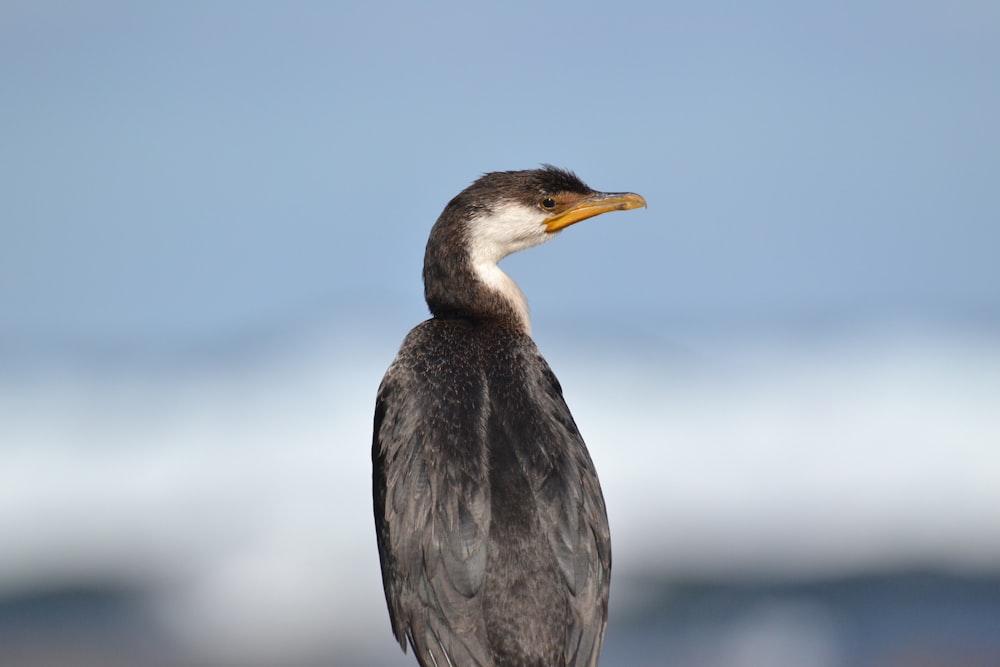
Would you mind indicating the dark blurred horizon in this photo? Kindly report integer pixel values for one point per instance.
(908, 619)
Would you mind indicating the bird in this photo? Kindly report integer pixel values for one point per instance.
(491, 525)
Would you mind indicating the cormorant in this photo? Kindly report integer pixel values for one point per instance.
(490, 520)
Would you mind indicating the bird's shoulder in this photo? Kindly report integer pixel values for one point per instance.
(444, 353)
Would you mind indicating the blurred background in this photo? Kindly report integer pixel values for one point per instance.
(212, 220)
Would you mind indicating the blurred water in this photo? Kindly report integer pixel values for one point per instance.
(218, 511)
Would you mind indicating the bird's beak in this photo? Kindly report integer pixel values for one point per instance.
(595, 204)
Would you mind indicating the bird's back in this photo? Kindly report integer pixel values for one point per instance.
(490, 520)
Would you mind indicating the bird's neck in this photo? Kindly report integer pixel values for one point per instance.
(503, 286)
(471, 285)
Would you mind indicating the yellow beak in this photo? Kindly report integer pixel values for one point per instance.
(588, 207)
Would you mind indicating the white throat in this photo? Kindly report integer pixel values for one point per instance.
(506, 229)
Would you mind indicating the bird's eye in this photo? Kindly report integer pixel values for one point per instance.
(548, 202)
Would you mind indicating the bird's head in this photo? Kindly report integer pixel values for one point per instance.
(499, 214)
(507, 211)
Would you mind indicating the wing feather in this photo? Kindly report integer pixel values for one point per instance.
(571, 500)
(432, 518)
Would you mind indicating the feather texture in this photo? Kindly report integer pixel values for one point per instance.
(490, 519)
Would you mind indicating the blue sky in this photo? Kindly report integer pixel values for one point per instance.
(175, 173)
